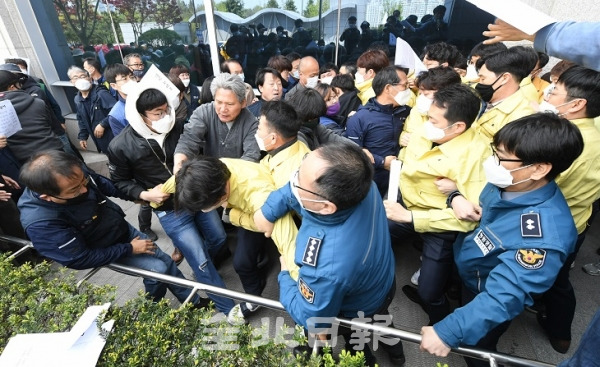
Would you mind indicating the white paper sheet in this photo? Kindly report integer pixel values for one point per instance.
(80, 347)
(395, 168)
(9, 121)
(516, 13)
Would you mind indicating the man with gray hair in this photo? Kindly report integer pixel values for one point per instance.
(223, 128)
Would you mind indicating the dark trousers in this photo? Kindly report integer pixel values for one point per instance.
(394, 350)
(490, 340)
(145, 217)
(245, 260)
(436, 267)
(560, 299)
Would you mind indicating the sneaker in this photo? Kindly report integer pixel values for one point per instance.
(149, 233)
(237, 315)
(415, 277)
(592, 269)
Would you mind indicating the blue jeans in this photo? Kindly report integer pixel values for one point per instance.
(199, 236)
(160, 263)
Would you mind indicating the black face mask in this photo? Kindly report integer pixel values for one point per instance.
(486, 91)
(139, 73)
(77, 199)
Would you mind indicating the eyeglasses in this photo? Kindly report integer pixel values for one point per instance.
(77, 189)
(129, 77)
(402, 86)
(295, 185)
(498, 159)
(160, 114)
(136, 65)
(82, 76)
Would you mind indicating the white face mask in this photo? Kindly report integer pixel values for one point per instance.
(423, 104)
(499, 176)
(296, 74)
(241, 76)
(548, 90)
(128, 87)
(296, 193)
(546, 106)
(359, 78)
(261, 143)
(434, 133)
(185, 82)
(312, 82)
(471, 73)
(402, 97)
(164, 125)
(83, 84)
(327, 80)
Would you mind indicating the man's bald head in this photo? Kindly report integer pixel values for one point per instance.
(308, 68)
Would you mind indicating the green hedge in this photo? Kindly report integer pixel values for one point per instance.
(38, 299)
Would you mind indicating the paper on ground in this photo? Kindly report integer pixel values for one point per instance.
(81, 347)
(516, 13)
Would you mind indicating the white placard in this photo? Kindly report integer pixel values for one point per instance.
(9, 121)
(407, 58)
(395, 168)
(154, 78)
(80, 347)
(516, 13)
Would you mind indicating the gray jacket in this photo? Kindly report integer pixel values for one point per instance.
(206, 134)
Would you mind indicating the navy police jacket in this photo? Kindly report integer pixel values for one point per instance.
(516, 251)
(346, 260)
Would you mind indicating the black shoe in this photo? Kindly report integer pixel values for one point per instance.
(559, 345)
(412, 294)
(150, 234)
(203, 302)
(538, 307)
(398, 360)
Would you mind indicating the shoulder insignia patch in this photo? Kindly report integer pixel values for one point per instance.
(484, 242)
(531, 225)
(531, 259)
(311, 252)
(307, 293)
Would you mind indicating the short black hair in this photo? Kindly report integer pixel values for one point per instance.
(41, 170)
(542, 138)
(328, 66)
(530, 56)
(8, 78)
(225, 65)
(16, 61)
(437, 78)
(92, 61)
(206, 95)
(349, 175)
(351, 67)
(509, 61)
(581, 82)
(385, 76)
(343, 81)
(200, 183)
(309, 104)
(282, 117)
(112, 71)
(482, 50)
(293, 56)
(461, 103)
(260, 75)
(150, 99)
(543, 59)
(442, 52)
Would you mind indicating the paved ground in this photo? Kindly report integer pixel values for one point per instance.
(524, 338)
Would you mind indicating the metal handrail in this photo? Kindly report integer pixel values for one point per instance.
(492, 357)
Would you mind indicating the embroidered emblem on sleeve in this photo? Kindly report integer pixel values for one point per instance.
(530, 225)
(307, 293)
(531, 259)
(484, 243)
(311, 252)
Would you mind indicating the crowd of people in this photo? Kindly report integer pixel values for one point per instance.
(498, 185)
